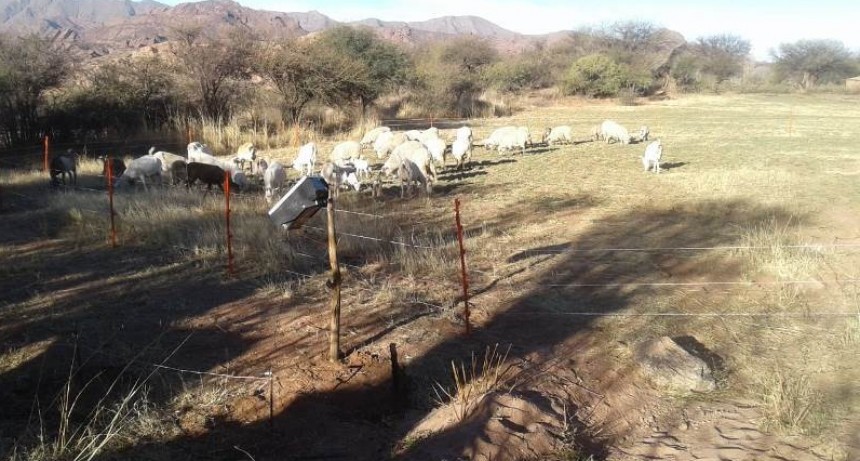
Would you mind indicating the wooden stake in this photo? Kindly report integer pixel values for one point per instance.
(230, 271)
(463, 276)
(334, 284)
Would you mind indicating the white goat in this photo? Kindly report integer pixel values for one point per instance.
(653, 154)
(200, 153)
(464, 132)
(611, 131)
(246, 153)
(260, 167)
(387, 142)
(274, 179)
(345, 152)
(170, 164)
(337, 176)
(559, 135)
(436, 147)
(140, 169)
(461, 150)
(362, 168)
(418, 155)
(509, 138)
(371, 136)
(306, 160)
(409, 173)
(644, 132)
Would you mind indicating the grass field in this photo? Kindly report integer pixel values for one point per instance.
(747, 244)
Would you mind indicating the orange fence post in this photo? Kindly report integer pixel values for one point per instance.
(229, 233)
(45, 155)
(463, 275)
(110, 201)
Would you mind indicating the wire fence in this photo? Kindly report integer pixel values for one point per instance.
(595, 254)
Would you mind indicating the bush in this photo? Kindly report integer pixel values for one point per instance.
(519, 75)
(599, 76)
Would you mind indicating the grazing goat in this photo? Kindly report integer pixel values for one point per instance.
(345, 152)
(461, 150)
(246, 153)
(140, 169)
(410, 174)
(612, 131)
(437, 148)
(387, 142)
(337, 176)
(642, 136)
(274, 179)
(371, 136)
(464, 132)
(558, 135)
(198, 152)
(210, 175)
(62, 165)
(260, 167)
(417, 154)
(116, 164)
(653, 154)
(168, 160)
(306, 160)
(362, 168)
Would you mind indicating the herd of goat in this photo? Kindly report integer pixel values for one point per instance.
(412, 157)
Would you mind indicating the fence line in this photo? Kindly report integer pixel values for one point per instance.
(692, 284)
(217, 375)
(365, 237)
(692, 314)
(817, 246)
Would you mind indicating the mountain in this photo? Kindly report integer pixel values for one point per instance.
(68, 17)
(101, 27)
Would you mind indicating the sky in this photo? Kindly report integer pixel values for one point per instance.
(765, 23)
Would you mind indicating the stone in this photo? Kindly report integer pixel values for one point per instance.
(670, 365)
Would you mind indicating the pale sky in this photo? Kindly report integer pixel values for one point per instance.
(765, 23)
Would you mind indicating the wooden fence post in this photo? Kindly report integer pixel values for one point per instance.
(230, 270)
(333, 283)
(463, 275)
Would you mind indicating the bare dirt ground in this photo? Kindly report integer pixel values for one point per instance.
(73, 306)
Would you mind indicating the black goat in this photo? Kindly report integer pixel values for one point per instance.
(211, 175)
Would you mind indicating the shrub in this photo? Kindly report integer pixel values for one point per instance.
(599, 76)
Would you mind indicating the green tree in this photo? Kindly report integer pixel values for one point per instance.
(812, 61)
(385, 65)
(29, 67)
(598, 75)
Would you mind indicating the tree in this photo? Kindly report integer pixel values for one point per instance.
(722, 55)
(140, 86)
(214, 66)
(386, 66)
(812, 61)
(303, 72)
(29, 67)
(469, 54)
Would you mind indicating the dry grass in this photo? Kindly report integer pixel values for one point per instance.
(740, 171)
(472, 384)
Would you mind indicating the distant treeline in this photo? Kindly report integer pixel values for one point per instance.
(243, 81)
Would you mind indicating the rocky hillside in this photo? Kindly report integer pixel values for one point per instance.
(109, 26)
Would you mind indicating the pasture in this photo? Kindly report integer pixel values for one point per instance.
(747, 246)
